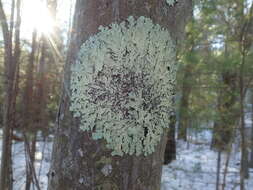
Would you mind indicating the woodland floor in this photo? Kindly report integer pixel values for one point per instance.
(195, 167)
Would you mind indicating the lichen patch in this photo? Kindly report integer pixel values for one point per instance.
(122, 85)
(171, 2)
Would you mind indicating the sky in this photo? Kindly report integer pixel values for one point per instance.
(34, 14)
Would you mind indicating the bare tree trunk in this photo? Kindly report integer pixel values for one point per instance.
(218, 170)
(28, 106)
(184, 104)
(244, 154)
(34, 110)
(226, 168)
(16, 63)
(244, 46)
(16, 58)
(77, 160)
(251, 145)
(184, 117)
(170, 150)
(31, 159)
(11, 63)
(48, 53)
(40, 86)
(222, 136)
(70, 23)
(225, 122)
(29, 84)
(5, 176)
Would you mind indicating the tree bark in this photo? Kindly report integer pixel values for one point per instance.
(31, 150)
(29, 84)
(184, 104)
(77, 160)
(170, 150)
(5, 176)
(218, 171)
(184, 117)
(244, 170)
(28, 106)
(11, 64)
(251, 139)
(224, 125)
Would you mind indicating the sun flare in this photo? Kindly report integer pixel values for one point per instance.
(35, 15)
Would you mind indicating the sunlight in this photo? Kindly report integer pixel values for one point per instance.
(35, 15)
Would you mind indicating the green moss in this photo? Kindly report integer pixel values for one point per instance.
(122, 85)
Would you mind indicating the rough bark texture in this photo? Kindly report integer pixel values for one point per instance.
(78, 162)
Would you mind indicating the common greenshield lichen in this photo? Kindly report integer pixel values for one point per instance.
(171, 2)
(122, 85)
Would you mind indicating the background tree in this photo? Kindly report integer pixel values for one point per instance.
(11, 65)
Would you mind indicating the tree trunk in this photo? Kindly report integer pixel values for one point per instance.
(184, 104)
(16, 59)
(170, 150)
(29, 84)
(11, 64)
(5, 176)
(218, 171)
(40, 88)
(184, 117)
(31, 159)
(48, 53)
(226, 168)
(251, 145)
(28, 114)
(244, 172)
(224, 125)
(78, 162)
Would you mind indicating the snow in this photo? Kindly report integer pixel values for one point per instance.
(195, 167)
(42, 163)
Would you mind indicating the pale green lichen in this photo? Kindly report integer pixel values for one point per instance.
(171, 2)
(107, 169)
(122, 85)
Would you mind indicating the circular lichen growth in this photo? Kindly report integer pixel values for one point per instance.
(122, 85)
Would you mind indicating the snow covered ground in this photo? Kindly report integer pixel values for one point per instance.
(42, 163)
(195, 167)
